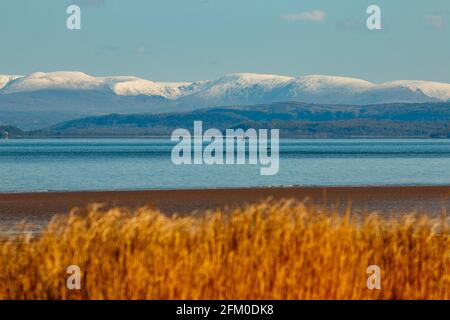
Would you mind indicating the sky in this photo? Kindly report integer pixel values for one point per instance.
(189, 40)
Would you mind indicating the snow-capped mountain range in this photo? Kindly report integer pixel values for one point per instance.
(77, 93)
(237, 88)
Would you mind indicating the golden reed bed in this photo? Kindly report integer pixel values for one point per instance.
(282, 250)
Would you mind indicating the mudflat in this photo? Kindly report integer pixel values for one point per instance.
(38, 208)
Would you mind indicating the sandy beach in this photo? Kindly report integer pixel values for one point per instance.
(38, 208)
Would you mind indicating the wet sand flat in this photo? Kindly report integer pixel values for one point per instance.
(38, 208)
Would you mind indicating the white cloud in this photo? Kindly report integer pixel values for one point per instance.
(316, 16)
(435, 21)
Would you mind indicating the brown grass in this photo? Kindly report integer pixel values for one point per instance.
(282, 250)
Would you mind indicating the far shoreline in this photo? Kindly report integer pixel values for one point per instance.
(67, 137)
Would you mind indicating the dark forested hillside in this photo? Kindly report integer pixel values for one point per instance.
(296, 120)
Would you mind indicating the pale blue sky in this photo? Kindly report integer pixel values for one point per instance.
(186, 40)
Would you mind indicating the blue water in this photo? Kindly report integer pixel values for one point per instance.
(132, 164)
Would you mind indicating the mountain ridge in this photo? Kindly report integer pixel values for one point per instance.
(130, 85)
(41, 99)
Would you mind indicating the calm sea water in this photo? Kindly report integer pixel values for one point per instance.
(132, 164)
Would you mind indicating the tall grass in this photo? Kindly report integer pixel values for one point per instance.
(282, 250)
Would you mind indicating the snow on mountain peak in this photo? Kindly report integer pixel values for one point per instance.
(438, 90)
(250, 79)
(68, 80)
(133, 86)
(237, 88)
(72, 80)
(322, 82)
(5, 79)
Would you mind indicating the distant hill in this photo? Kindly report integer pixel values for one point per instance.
(40, 109)
(296, 120)
(10, 132)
